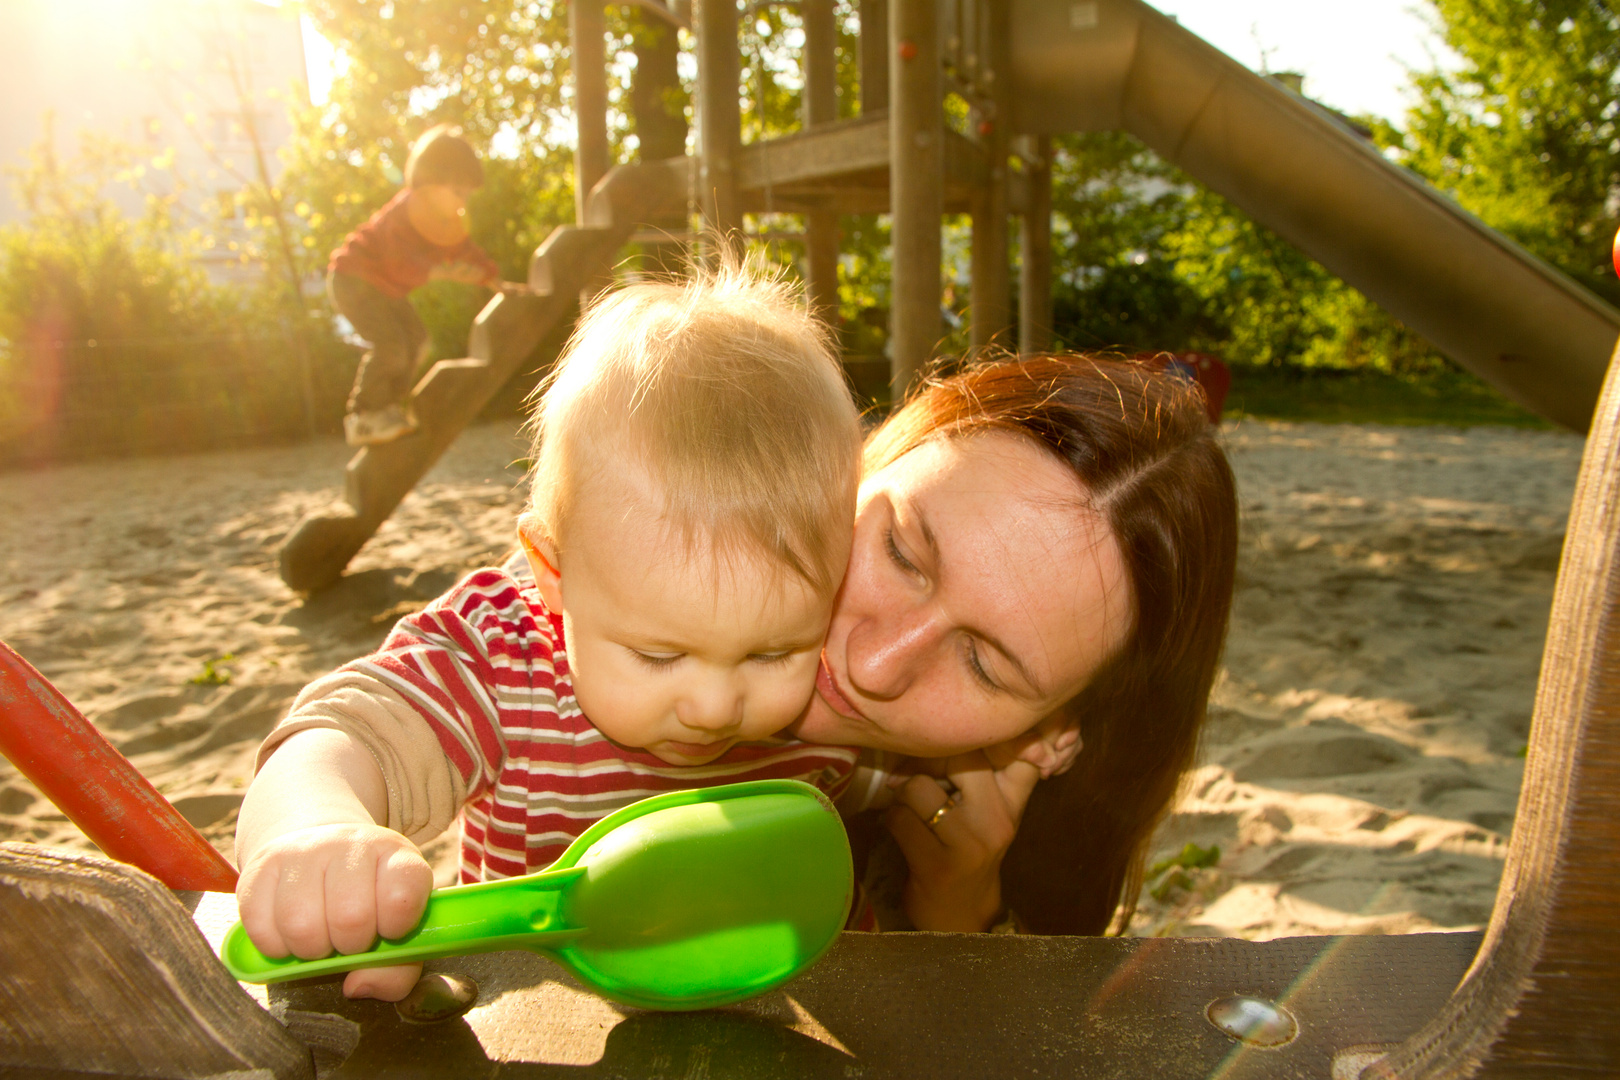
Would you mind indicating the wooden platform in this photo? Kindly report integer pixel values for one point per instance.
(940, 1006)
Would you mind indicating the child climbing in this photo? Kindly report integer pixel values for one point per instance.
(419, 236)
(696, 455)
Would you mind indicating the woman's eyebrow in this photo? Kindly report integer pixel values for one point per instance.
(984, 635)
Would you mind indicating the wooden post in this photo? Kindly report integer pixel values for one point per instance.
(821, 107)
(874, 56)
(1541, 997)
(658, 102)
(586, 30)
(1035, 242)
(990, 297)
(719, 116)
(916, 188)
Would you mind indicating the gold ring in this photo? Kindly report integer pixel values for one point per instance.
(950, 804)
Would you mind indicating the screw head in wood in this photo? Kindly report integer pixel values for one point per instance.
(436, 997)
(1253, 1020)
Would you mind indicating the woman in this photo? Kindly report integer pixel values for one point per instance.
(1037, 599)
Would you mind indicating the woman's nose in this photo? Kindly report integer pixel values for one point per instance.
(885, 653)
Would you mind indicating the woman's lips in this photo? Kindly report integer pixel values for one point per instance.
(830, 693)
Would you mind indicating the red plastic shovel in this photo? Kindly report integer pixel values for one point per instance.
(76, 768)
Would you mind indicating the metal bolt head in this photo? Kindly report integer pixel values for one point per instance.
(437, 996)
(1253, 1020)
(908, 50)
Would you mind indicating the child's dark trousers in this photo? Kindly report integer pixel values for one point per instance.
(395, 333)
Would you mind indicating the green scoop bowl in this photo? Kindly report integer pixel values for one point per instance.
(682, 901)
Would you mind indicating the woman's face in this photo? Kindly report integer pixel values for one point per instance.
(982, 592)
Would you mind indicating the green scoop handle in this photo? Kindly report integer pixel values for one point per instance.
(686, 900)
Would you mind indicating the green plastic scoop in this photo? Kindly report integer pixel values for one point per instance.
(682, 901)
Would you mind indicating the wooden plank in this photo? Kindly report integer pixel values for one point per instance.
(942, 1006)
(1543, 997)
(105, 973)
(816, 157)
(848, 160)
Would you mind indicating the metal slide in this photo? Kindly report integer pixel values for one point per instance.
(1524, 327)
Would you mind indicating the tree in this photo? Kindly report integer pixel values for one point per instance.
(1524, 133)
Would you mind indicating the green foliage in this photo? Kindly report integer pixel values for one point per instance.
(112, 338)
(1169, 876)
(1115, 209)
(1524, 132)
(214, 672)
(1148, 260)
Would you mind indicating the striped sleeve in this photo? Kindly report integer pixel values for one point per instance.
(476, 648)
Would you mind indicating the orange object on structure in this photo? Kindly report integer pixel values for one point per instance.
(1211, 374)
(76, 768)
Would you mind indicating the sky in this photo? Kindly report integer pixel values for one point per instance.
(1354, 56)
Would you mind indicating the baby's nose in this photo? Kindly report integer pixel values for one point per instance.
(714, 707)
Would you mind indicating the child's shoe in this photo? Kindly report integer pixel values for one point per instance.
(377, 426)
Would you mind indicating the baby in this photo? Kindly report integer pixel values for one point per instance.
(696, 456)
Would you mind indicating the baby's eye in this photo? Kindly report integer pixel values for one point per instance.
(770, 657)
(656, 660)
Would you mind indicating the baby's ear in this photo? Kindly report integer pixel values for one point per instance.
(543, 561)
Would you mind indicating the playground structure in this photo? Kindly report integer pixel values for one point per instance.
(1027, 69)
(1534, 995)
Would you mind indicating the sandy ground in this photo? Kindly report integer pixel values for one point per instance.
(1359, 773)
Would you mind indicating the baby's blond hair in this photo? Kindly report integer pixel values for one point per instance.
(725, 391)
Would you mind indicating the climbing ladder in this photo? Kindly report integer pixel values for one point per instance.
(453, 391)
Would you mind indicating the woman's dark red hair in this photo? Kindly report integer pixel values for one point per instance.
(1141, 444)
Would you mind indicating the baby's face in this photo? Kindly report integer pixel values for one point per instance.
(671, 653)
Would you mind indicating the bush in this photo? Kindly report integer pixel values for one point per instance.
(112, 340)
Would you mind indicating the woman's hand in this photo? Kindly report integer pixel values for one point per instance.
(955, 856)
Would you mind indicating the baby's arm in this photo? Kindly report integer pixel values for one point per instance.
(318, 870)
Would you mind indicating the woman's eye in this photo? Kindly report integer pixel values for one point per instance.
(894, 553)
(981, 676)
(656, 660)
(770, 657)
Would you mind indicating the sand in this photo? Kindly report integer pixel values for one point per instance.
(1359, 772)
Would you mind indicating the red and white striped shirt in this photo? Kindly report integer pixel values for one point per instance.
(485, 666)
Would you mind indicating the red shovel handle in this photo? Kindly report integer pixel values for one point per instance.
(76, 768)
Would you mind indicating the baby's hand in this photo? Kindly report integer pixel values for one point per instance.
(336, 887)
